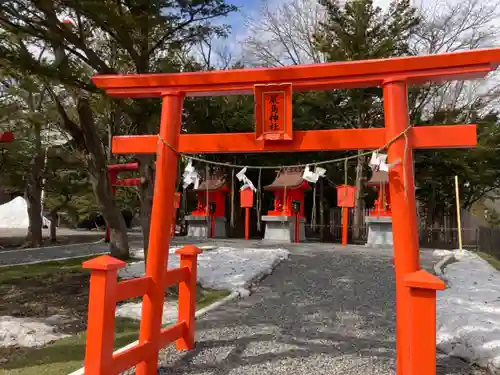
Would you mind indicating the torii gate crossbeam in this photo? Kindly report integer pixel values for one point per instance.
(415, 289)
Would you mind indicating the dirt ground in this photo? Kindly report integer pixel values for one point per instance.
(46, 295)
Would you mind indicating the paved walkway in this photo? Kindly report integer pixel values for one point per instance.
(45, 254)
(327, 310)
(49, 253)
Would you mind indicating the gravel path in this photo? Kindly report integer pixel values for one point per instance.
(327, 310)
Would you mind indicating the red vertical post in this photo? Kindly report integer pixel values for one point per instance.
(161, 218)
(422, 288)
(177, 204)
(187, 296)
(212, 225)
(345, 223)
(297, 228)
(247, 223)
(404, 210)
(101, 314)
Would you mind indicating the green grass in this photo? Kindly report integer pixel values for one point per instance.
(490, 259)
(66, 355)
(12, 273)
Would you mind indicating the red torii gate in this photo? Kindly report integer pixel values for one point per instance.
(415, 289)
(7, 137)
(113, 171)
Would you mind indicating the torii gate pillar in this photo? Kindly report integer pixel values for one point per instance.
(404, 219)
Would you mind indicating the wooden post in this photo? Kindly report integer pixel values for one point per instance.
(297, 227)
(161, 218)
(422, 306)
(345, 223)
(212, 225)
(404, 210)
(187, 296)
(247, 223)
(101, 314)
(459, 220)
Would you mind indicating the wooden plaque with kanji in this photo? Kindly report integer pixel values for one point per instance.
(273, 112)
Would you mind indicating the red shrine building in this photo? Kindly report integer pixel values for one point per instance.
(289, 189)
(208, 220)
(379, 219)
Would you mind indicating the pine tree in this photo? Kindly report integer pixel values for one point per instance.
(359, 30)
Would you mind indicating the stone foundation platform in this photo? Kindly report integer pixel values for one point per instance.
(282, 229)
(199, 227)
(379, 231)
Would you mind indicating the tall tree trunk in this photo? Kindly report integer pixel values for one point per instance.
(96, 162)
(360, 194)
(322, 225)
(146, 193)
(53, 225)
(33, 193)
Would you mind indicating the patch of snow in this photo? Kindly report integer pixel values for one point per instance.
(133, 310)
(468, 311)
(28, 332)
(441, 253)
(14, 214)
(139, 252)
(223, 268)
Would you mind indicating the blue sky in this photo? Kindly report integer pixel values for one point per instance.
(237, 19)
(251, 7)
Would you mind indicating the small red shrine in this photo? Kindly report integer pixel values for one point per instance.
(379, 219)
(209, 217)
(380, 180)
(288, 187)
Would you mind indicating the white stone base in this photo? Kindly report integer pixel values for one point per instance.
(199, 227)
(282, 229)
(379, 231)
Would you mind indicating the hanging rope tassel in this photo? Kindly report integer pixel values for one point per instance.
(313, 213)
(184, 203)
(404, 165)
(259, 202)
(232, 198)
(207, 208)
(345, 177)
(284, 204)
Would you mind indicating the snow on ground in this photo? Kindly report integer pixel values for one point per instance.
(14, 214)
(133, 310)
(27, 332)
(221, 268)
(468, 311)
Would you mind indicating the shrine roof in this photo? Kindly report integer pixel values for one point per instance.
(289, 179)
(379, 177)
(213, 183)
